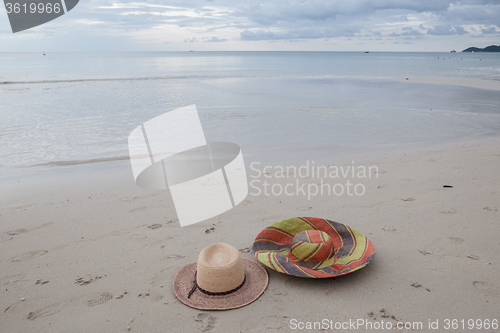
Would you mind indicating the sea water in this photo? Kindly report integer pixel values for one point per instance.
(72, 108)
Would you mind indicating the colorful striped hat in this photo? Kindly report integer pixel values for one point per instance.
(312, 247)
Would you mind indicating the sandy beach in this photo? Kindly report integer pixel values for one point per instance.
(91, 252)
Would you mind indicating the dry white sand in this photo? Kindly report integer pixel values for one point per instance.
(83, 254)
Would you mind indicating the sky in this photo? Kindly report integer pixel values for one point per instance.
(256, 25)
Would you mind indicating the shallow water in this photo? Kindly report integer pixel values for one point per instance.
(66, 109)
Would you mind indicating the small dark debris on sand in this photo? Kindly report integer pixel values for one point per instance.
(155, 226)
(41, 281)
(383, 314)
(416, 285)
(84, 281)
(143, 295)
(424, 252)
(448, 186)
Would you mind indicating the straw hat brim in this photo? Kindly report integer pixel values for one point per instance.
(256, 280)
(273, 245)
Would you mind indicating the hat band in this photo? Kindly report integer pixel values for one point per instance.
(222, 293)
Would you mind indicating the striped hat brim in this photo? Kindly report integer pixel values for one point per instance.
(273, 245)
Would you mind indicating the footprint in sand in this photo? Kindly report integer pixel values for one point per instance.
(28, 255)
(486, 288)
(54, 308)
(138, 209)
(246, 203)
(16, 232)
(456, 240)
(99, 299)
(118, 233)
(159, 283)
(491, 209)
(155, 226)
(138, 238)
(48, 310)
(11, 279)
(173, 256)
(209, 322)
(271, 219)
(20, 231)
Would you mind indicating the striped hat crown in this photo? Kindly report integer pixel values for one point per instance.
(312, 246)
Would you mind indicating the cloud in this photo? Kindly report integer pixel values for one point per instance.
(490, 30)
(278, 11)
(407, 31)
(306, 33)
(146, 22)
(216, 39)
(474, 12)
(445, 30)
(459, 30)
(257, 35)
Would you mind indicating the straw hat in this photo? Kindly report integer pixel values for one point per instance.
(312, 247)
(220, 280)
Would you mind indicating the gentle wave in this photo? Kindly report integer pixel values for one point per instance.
(133, 79)
(77, 162)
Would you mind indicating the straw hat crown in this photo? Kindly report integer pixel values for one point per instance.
(219, 268)
(220, 280)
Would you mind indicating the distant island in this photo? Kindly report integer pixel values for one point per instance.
(491, 48)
